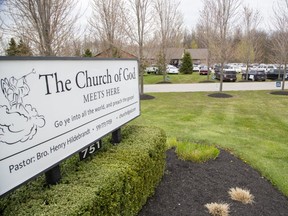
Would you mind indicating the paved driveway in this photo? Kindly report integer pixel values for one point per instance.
(214, 87)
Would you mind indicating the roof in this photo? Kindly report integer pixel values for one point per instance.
(198, 53)
(176, 53)
(114, 53)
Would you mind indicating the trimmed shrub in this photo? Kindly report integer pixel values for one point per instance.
(116, 181)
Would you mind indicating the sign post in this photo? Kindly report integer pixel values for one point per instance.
(53, 107)
(116, 136)
(53, 175)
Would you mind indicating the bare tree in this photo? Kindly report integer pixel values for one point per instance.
(139, 24)
(107, 23)
(46, 24)
(169, 21)
(262, 46)
(251, 20)
(280, 39)
(222, 22)
(206, 31)
(1, 26)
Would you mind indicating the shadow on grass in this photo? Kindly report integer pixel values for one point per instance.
(146, 97)
(207, 81)
(164, 82)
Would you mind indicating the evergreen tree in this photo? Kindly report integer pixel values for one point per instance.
(12, 49)
(187, 66)
(87, 53)
(23, 49)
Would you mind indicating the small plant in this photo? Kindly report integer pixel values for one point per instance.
(218, 209)
(241, 195)
(171, 142)
(198, 153)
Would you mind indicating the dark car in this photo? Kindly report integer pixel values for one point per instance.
(228, 75)
(255, 75)
(276, 74)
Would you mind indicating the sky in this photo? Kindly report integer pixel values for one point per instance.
(191, 8)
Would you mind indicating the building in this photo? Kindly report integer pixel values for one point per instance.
(174, 55)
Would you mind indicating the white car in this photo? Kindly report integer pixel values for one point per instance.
(171, 69)
(152, 69)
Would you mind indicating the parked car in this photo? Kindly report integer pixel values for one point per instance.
(275, 74)
(196, 68)
(153, 69)
(255, 75)
(228, 75)
(203, 70)
(171, 69)
(267, 67)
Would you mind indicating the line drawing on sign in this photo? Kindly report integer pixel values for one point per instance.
(19, 122)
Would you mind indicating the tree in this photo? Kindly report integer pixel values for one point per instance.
(251, 20)
(169, 21)
(107, 22)
(21, 49)
(87, 53)
(222, 15)
(24, 49)
(12, 49)
(186, 66)
(141, 17)
(280, 39)
(1, 26)
(47, 25)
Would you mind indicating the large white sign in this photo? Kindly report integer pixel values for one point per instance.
(51, 108)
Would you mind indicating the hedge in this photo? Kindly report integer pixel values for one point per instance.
(116, 181)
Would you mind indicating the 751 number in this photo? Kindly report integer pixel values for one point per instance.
(90, 150)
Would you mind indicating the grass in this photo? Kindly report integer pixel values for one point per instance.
(241, 195)
(181, 78)
(195, 152)
(251, 124)
(218, 209)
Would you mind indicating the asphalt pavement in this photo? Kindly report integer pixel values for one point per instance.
(214, 87)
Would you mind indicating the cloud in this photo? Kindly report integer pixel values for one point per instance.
(19, 124)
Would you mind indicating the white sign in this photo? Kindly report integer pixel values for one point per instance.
(50, 108)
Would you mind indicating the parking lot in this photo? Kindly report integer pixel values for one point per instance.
(213, 87)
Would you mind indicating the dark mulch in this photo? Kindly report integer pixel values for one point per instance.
(186, 187)
(279, 92)
(220, 95)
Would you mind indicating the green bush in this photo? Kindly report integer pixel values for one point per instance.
(116, 181)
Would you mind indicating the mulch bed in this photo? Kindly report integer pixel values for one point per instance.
(220, 95)
(186, 187)
(279, 92)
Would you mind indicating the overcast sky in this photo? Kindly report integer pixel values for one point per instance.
(190, 9)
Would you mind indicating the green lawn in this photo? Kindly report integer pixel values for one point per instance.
(252, 124)
(181, 78)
